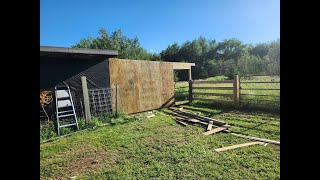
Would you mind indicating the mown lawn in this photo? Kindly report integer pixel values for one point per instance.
(159, 148)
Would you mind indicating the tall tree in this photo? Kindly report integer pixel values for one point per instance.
(230, 49)
(127, 48)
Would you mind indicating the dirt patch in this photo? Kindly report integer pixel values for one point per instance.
(84, 160)
(91, 163)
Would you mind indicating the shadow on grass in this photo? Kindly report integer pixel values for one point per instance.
(254, 128)
(204, 111)
(243, 108)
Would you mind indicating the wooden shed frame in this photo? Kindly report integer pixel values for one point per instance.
(181, 65)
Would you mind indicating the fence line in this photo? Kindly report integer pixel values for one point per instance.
(209, 96)
(235, 97)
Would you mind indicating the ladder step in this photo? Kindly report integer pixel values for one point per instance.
(64, 103)
(66, 125)
(66, 115)
(63, 98)
(65, 111)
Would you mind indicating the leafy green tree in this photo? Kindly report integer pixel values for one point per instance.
(260, 50)
(126, 47)
(212, 58)
(230, 49)
(171, 53)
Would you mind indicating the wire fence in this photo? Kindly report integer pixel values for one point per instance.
(99, 99)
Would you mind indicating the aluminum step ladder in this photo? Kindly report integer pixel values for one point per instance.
(65, 108)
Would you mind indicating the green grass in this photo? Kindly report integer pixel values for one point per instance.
(159, 148)
(48, 131)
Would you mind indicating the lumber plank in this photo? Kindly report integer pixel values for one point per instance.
(218, 129)
(258, 89)
(212, 94)
(184, 118)
(216, 88)
(213, 100)
(207, 119)
(237, 146)
(183, 123)
(181, 65)
(257, 139)
(259, 82)
(210, 126)
(212, 82)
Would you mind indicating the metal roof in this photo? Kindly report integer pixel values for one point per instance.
(83, 53)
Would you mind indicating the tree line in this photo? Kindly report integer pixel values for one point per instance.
(212, 58)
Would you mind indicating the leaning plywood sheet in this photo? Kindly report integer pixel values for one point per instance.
(142, 85)
(237, 146)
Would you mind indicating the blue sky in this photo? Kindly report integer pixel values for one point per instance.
(159, 23)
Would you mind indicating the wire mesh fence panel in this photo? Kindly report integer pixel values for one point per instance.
(100, 101)
(78, 104)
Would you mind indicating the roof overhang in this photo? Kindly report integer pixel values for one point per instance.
(80, 53)
(182, 65)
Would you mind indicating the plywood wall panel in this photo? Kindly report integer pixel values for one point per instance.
(142, 85)
(167, 86)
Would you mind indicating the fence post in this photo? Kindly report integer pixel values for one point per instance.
(190, 76)
(190, 91)
(116, 100)
(236, 90)
(86, 99)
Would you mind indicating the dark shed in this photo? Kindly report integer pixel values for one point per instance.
(59, 65)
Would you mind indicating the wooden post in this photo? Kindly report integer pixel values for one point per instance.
(190, 77)
(190, 91)
(236, 90)
(86, 99)
(116, 99)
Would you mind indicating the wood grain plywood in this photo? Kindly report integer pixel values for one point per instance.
(150, 91)
(126, 76)
(181, 65)
(167, 86)
(142, 85)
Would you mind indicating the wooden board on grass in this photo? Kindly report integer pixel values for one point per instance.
(238, 146)
(218, 129)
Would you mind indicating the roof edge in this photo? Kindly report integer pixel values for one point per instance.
(52, 49)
